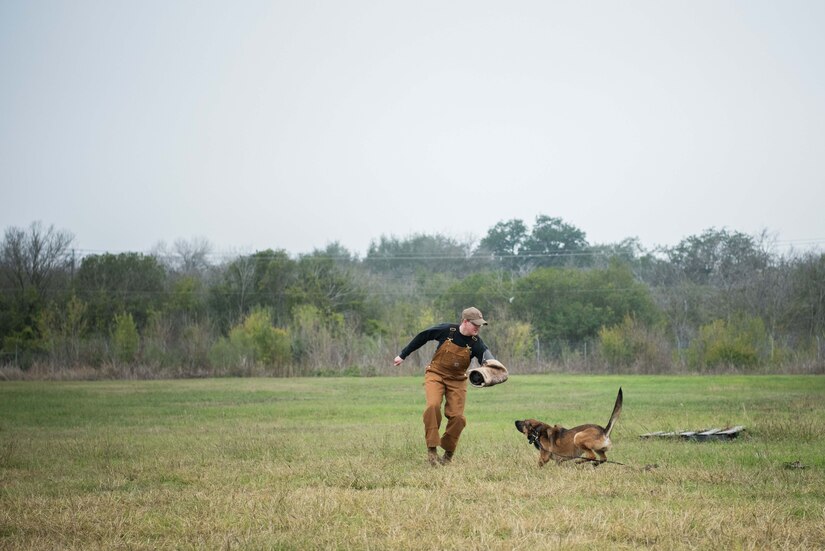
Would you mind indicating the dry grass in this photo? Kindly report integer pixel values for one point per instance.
(339, 464)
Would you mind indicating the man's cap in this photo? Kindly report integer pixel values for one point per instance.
(473, 315)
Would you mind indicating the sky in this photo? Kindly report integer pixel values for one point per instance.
(293, 125)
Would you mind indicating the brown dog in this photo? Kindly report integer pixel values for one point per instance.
(582, 443)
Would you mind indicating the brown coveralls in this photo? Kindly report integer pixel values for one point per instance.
(446, 377)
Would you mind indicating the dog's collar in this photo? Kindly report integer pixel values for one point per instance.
(533, 437)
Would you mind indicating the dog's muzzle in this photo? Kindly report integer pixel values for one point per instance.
(532, 436)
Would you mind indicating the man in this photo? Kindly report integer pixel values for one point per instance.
(446, 377)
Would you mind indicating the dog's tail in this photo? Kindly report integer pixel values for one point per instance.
(617, 409)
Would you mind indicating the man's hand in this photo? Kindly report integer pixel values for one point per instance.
(397, 360)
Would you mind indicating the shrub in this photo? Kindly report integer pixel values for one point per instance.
(513, 341)
(631, 343)
(736, 343)
(253, 342)
(125, 338)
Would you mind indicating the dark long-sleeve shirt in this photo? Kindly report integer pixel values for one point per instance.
(441, 333)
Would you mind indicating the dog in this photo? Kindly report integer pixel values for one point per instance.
(582, 444)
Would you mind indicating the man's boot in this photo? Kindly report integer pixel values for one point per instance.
(432, 456)
(447, 458)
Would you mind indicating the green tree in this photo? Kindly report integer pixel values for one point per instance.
(716, 274)
(807, 297)
(503, 243)
(260, 280)
(419, 253)
(64, 328)
(112, 284)
(329, 286)
(628, 251)
(719, 257)
(275, 274)
(566, 304)
(186, 300)
(553, 242)
(492, 292)
(232, 298)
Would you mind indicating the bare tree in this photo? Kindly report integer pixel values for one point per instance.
(187, 257)
(240, 278)
(192, 255)
(32, 258)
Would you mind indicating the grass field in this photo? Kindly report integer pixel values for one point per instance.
(339, 463)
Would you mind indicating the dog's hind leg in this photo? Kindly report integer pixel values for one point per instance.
(588, 456)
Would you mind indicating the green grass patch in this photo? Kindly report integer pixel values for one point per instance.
(312, 463)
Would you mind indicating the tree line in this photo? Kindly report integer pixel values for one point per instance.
(717, 301)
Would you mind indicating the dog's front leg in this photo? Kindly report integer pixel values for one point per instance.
(544, 457)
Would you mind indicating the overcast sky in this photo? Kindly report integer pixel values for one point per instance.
(290, 125)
